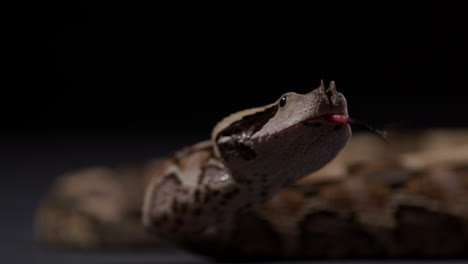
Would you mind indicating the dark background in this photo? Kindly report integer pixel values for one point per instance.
(87, 83)
(175, 67)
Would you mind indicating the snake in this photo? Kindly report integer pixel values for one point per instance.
(282, 181)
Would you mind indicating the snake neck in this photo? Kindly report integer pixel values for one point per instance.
(193, 192)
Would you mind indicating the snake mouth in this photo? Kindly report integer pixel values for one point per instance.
(331, 118)
(346, 120)
(339, 119)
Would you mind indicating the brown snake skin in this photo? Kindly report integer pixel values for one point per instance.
(405, 198)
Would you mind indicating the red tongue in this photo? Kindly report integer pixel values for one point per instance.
(346, 120)
(338, 119)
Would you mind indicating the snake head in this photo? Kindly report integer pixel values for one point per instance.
(286, 140)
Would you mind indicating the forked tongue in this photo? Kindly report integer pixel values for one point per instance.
(346, 120)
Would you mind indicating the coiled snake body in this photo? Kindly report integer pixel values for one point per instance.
(257, 189)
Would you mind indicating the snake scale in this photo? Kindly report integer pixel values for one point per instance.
(264, 187)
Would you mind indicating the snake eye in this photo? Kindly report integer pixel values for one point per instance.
(282, 101)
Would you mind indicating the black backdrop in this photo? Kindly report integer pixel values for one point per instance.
(168, 66)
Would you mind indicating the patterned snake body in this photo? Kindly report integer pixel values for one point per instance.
(257, 190)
